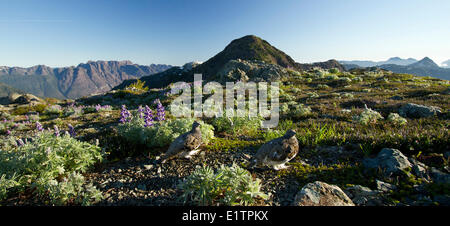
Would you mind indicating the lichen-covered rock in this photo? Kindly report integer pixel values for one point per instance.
(361, 195)
(322, 194)
(389, 160)
(418, 111)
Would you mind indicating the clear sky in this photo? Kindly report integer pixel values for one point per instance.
(68, 32)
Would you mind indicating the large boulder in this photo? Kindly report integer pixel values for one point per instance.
(322, 194)
(418, 111)
(389, 160)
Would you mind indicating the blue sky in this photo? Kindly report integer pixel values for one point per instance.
(65, 33)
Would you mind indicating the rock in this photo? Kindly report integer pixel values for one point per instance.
(389, 160)
(419, 169)
(251, 70)
(439, 176)
(322, 194)
(418, 111)
(385, 187)
(361, 195)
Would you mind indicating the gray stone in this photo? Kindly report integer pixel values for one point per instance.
(439, 176)
(385, 187)
(418, 111)
(361, 195)
(322, 194)
(389, 160)
(419, 169)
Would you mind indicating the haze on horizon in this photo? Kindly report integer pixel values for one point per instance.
(66, 33)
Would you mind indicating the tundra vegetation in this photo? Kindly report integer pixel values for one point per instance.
(109, 154)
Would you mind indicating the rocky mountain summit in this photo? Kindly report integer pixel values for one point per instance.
(248, 50)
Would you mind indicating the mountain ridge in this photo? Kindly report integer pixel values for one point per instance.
(368, 63)
(424, 67)
(75, 81)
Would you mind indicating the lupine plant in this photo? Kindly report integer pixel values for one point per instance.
(125, 115)
(161, 133)
(51, 165)
(228, 186)
(148, 116)
(160, 112)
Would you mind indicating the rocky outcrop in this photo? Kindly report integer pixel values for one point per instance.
(322, 194)
(20, 99)
(418, 111)
(257, 71)
(390, 161)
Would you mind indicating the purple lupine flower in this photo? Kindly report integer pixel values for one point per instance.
(98, 107)
(56, 130)
(124, 114)
(72, 132)
(39, 127)
(141, 111)
(160, 112)
(148, 117)
(8, 132)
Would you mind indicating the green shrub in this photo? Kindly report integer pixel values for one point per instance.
(301, 110)
(137, 86)
(396, 119)
(46, 161)
(53, 110)
(228, 186)
(73, 190)
(368, 116)
(25, 109)
(237, 125)
(333, 70)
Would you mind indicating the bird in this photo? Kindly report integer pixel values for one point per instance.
(277, 152)
(186, 145)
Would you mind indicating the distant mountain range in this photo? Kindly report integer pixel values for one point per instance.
(393, 60)
(73, 82)
(248, 48)
(424, 67)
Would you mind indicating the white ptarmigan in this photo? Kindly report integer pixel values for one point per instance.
(186, 145)
(277, 152)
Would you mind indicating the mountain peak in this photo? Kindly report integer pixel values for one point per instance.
(249, 47)
(425, 62)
